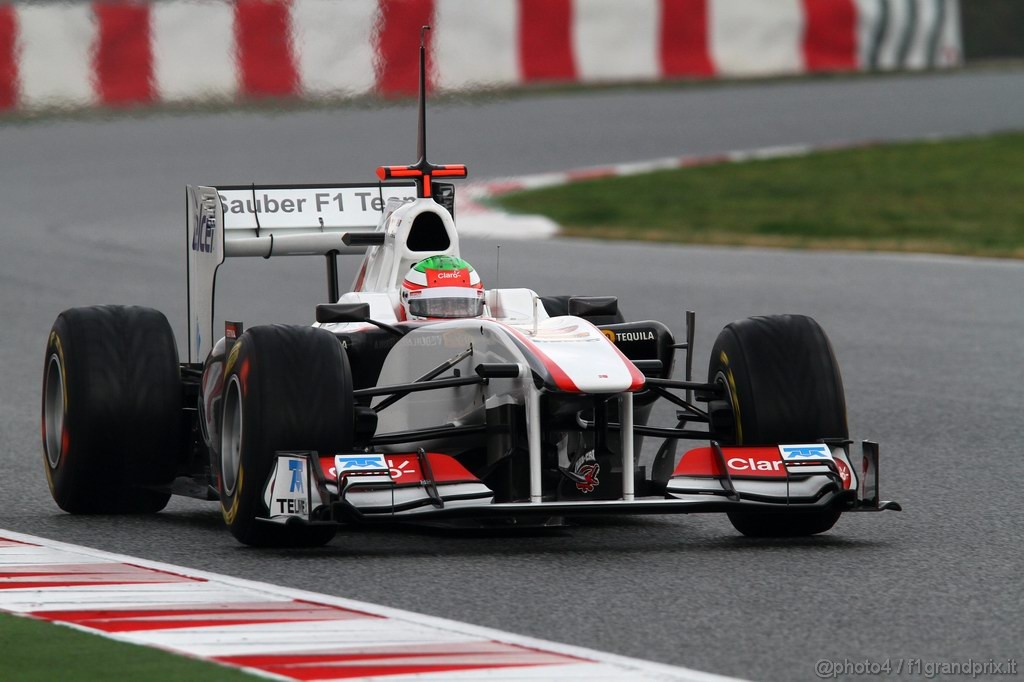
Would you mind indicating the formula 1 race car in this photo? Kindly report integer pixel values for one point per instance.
(420, 395)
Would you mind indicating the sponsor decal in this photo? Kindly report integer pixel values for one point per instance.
(268, 204)
(361, 463)
(202, 233)
(284, 202)
(636, 335)
(609, 334)
(845, 475)
(754, 463)
(287, 492)
(297, 469)
(307, 207)
(748, 464)
(448, 277)
(590, 481)
(290, 507)
(405, 469)
(815, 452)
(584, 473)
(424, 340)
(457, 338)
(741, 462)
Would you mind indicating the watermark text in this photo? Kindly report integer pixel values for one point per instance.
(828, 668)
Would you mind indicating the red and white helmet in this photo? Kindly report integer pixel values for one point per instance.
(442, 287)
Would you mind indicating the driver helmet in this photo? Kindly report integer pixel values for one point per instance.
(442, 287)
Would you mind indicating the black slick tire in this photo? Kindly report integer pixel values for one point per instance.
(112, 415)
(285, 388)
(783, 386)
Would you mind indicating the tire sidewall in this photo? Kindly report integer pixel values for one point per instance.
(242, 504)
(63, 468)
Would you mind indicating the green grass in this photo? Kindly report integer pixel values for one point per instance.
(960, 197)
(34, 650)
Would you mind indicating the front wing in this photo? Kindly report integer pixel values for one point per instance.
(307, 488)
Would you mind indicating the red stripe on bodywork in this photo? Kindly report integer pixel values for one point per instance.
(684, 39)
(638, 378)
(562, 380)
(124, 59)
(266, 63)
(397, 46)
(8, 58)
(830, 35)
(545, 40)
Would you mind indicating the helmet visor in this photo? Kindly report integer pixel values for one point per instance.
(446, 302)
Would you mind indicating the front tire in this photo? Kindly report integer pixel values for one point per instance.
(111, 417)
(783, 385)
(285, 388)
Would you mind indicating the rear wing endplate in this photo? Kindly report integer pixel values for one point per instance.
(266, 221)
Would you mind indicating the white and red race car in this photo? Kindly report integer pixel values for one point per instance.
(528, 408)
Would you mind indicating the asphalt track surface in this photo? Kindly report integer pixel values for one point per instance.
(931, 351)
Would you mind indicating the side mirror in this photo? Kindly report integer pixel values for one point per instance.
(588, 306)
(342, 312)
(352, 312)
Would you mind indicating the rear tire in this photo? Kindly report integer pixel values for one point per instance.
(783, 386)
(285, 388)
(111, 410)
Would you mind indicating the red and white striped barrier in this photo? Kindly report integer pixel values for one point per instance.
(278, 632)
(138, 52)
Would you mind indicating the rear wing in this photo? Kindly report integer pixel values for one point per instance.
(268, 221)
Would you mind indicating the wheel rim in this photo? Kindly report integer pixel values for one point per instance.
(231, 437)
(53, 411)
